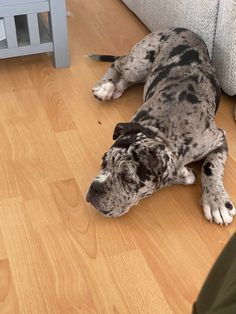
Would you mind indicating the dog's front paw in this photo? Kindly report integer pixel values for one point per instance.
(218, 207)
(185, 176)
(104, 90)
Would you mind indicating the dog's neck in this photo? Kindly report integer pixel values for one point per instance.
(180, 152)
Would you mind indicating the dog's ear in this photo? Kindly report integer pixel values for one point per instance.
(126, 128)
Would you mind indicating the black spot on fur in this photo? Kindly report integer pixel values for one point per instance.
(183, 150)
(207, 124)
(216, 89)
(188, 141)
(142, 172)
(135, 156)
(189, 57)
(192, 98)
(178, 50)
(179, 30)
(164, 37)
(161, 146)
(168, 97)
(162, 73)
(167, 158)
(207, 169)
(217, 99)
(193, 78)
(141, 115)
(104, 162)
(150, 55)
(149, 133)
(228, 205)
(149, 95)
(191, 88)
(182, 95)
(157, 124)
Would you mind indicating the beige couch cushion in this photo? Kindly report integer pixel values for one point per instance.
(200, 16)
(214, 21)
(224, 57)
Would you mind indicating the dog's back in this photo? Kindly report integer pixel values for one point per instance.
(182, 57)
(181, 91)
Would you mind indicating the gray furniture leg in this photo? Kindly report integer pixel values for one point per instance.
(58, 25)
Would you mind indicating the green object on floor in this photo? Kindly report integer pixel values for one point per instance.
(218, 294)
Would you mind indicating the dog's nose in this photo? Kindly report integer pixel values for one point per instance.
(96, 188)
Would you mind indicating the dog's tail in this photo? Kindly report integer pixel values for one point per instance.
(104, 58)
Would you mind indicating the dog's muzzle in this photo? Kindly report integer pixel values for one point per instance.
(95, 192)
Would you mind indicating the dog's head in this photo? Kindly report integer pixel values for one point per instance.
(134, 167)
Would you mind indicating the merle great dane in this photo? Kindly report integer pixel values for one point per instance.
(174, 127)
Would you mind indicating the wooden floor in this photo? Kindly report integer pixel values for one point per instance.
(57, 254)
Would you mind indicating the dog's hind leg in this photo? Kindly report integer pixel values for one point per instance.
(216, 203)
(129, 69)
(124, 72)
(116, 80)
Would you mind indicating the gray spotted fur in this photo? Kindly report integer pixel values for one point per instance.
(174, 127)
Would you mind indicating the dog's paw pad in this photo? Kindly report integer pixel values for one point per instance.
(231, 209)
(104, 91)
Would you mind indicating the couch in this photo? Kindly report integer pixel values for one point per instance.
(213, 20)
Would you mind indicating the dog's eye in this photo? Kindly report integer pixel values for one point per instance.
(126, 177)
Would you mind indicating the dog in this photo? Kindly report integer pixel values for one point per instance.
(174, 127)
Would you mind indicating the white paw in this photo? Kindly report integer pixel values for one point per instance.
(189, 176)
(185, 176)
(218, 208)
(104, 91)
